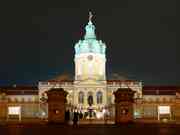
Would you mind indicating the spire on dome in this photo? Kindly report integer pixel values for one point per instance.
(90, 29)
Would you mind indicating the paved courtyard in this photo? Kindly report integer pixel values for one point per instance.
(85, 129)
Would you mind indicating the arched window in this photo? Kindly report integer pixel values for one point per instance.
(29, 99)
(164, 99)
(81, 97)
(9, 100)
(22, 99)
(16, 99)
(99, 97)
(90, 98)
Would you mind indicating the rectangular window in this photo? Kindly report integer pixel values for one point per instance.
(164, 109)
(14, 110)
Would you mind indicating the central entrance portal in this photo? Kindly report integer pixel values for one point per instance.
(90, 100)
(90, 113)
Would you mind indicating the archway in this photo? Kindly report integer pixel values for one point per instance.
(81, 97)
(90, 100)
(99, 97)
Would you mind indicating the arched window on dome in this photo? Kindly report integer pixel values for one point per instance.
(81, 97)
(99, 97)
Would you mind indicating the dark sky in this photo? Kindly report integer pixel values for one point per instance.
(37, 39)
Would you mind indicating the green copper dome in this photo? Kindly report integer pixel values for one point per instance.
(90, 44)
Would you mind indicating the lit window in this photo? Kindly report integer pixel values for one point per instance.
(164, 109)
(99, 97)
(15, 110)
(90, 98)
(22, 100)
(15, 99)
(29, 100)
(164, 99)
(81, 97)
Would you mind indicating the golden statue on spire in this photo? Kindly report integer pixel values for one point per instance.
(90, 16)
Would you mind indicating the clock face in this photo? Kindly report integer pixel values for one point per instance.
(90, 57)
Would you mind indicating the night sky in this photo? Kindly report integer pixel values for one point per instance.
(37, 39)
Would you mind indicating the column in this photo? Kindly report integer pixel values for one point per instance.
(75, 98)
(104, 96)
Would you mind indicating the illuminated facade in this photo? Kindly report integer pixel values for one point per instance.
(90, 84)
(91, 88)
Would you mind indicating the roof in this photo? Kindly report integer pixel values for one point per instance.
(122, 90)
(19, 90)
(61, 81)
(160, 90)
(65, 77)
(121, 81)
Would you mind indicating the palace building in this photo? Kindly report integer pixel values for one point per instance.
(90, 84)
(91, 87)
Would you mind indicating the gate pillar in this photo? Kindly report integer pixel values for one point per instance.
(124, 105)
(56, 105)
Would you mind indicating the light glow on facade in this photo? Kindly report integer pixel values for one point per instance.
(14, 110)
(164, 109)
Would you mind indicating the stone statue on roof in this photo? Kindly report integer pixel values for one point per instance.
(90, 16)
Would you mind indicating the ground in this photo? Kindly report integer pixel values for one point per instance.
(86, 129)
